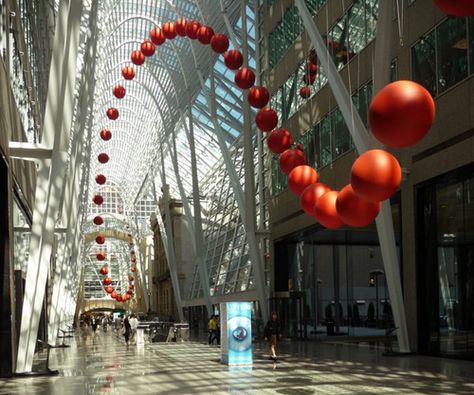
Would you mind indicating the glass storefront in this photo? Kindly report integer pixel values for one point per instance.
(445, 265)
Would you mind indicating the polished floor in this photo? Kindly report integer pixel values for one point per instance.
(104, 365)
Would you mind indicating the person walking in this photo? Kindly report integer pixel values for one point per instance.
(127, 330)
(212, 326)
(217, 330)
(272, 334)
(133, 327)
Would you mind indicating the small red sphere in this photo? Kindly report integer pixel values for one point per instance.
(157, 36)
(137, 57)
(219, 43)
(131, 286)
(112, 113)
(305, 92)
(98, 199)
(107, 281)
(119, 91)
(279, 140)
(205, 34)
(118, 298)
(233, 59)
(310, 196)
(301, 177)
(133, 269)
(100, 179)
(109, 290)
(169, 30)
(147, 48)
(309, 79)
(100, 239)
(100, 256)
(128, 72)
(181, 27)
(98, 220)
(266, 119)
(290, 159)
(113, 294)
(131, 278)
(456, 7)
(258, 96)
(105, 134)
(104, 270)
(311, 68)
(244, 78)
(133, 259)
(103, 157)
(192, 28)
(325, 211)
(353, 210)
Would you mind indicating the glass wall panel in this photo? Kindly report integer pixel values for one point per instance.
(424, 62)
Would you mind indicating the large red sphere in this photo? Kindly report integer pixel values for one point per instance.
(107, 281)
(244, 78)
(104, 270)
(105, 134)
(266, 119)
(305, 92)
(325, 211)
(103, 157)
(100, 179)
(100, 256)
(456, 7)
(169, 30)
(310, 196)
(157, 36)
(119, 91)
(112, 113)
(353, 210)
(376, 175)
(98, 220)
(133, 269)
(309, 79)
(219, 43)
(233, 59)
(137, 58)
(279, 140)
(128, 72)
(205, 34)
(192, 28)
(301, 177)
(131, 278)
(181, 27)
(147, 48)
(401, 114)
(258, 96)
(290, 159)
(98, 199)
(100, 239)
(109, 290)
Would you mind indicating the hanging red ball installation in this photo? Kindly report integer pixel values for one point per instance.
(181, 27)
(97, 199)
(192, 28)
(233, 59)
(118, 298)
(169, 30)
(133, 269)
(98, 220)
(301, 177)
(100, 256)
(119, 91)
(107, 281)
(376, 175)
(131, 278)
(219, 43)
(113, 294)
(456, 7)
(305, 92)
(204, 34)
(157, 36)
(137, 58)
(279, 140)
(290, 159)
(147, 48)
(104, 270)
(258, 96)
(353, 210)
(100, 239)
(309, 79)
(109, 290)
(105, 134)
(112, 113)
(311, 68)
(128, 72)
(325, 211)
(266, 119)
(103, 157)
(310, 196)
(100, 179)
(244, 78)
(401, 114)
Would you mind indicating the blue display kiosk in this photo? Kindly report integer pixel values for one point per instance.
(236, 333)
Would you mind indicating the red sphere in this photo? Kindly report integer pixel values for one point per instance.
(353, 210)
(311, 68)
(113, 294)
(131, 278)
(133, 259)
(128, 72)
(181, 27)
(107, 281)
(112, 113)
(279, 140)
(119, 91)
(310, 196)
(305, 92)
(100, 179)
(130, 292)
(169, 30)
(100, 239)
(233, 59)
(137, 57)
(301, 177)
(103, 157)
(104, 270)
(131, 286)
(325, 210)
(456, 7)
(105, 134)
(258, 96)
(376, 175)
(401, 114)
(309, 79)
(133, 269)
(192, 28)
(98, 220)
(205, 34)
(98, 199)
(244, 78)
(147, 48)
(100, 256)
(118, 298)
(219, 43)
(290, 159)
(109, 290)
(312, 57)
(266, 119)
(157, 36)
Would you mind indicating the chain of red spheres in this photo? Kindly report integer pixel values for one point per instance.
(400, 115)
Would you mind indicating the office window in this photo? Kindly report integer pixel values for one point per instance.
(424, 62)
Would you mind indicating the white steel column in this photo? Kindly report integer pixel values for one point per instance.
(363, 142)
(57, 123)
